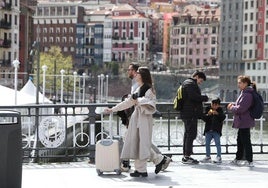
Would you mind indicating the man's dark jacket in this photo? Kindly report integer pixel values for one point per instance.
(192, 100)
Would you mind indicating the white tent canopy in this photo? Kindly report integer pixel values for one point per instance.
(7, 97)
(25, 96)
(30, 89)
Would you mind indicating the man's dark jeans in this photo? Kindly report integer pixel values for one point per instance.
(190, 133)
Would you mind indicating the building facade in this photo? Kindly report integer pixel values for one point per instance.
(194, 38)
(55, 25)
(243, 46)
(9, 39)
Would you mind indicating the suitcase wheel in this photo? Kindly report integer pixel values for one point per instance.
(118, 171)
(99, 172)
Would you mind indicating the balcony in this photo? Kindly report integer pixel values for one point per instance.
(5, 62)
(5, 24)
(5, 43)
(6, 6)
(115, 37)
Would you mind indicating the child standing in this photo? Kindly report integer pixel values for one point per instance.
(213, 118)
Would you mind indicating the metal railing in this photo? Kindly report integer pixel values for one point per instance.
(68, 132)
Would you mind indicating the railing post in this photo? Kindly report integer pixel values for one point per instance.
(92, 123)
(168, 130)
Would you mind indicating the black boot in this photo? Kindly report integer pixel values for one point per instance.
(158, 167)
(138, 174)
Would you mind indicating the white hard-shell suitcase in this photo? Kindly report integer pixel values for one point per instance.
(107, 157)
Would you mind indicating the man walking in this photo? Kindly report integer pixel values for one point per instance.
(192, 110)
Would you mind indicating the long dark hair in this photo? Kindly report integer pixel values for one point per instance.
(146, 79)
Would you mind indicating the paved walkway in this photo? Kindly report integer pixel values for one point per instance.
(82, 174)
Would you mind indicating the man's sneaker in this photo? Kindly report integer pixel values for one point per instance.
(206, 160)
(189, 160)
(249, 164)
(217, 160)
(165, 165)
(234, 162)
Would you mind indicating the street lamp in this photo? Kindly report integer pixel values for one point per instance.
(36, 52)
(61, 91)
(54, 87)
(44, 68)
(75, 74)
(16, 66)
(107, 88)
(101, 87)
(84, 86)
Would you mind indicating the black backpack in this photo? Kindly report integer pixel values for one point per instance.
(256, 109)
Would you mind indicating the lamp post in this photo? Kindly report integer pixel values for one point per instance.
(44, 68)
(101, 89)
(99, 86)
(61, 91)
(16, 66)
(54, 97)
(84, 86)
(107, 88)
(75, 74)
(36, 52)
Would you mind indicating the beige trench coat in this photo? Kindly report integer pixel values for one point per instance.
(138, 141)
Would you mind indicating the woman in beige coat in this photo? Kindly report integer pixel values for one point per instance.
(138, 141)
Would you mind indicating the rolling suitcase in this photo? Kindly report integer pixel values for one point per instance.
(107, 158)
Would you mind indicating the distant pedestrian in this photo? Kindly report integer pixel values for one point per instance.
(192, 110)
(243, 121)
(213, 117)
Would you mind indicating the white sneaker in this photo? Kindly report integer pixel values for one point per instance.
(234, 162)
(217, 160)
(249, 164)
(206, 160)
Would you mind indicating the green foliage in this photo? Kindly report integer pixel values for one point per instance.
(55, 62)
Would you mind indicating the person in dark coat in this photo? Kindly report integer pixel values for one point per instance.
(242, 120)
(213, 117)
(191, 111)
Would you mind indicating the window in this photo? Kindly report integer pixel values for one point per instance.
(248, 66)
(59, 11)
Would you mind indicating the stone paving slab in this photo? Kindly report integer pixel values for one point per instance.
(83, 174)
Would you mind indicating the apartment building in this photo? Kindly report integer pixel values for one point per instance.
(243, 45)
(130, 34)
(9, 39)
(55, 24)
(194, 38)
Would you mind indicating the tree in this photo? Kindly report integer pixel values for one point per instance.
(55, 62)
